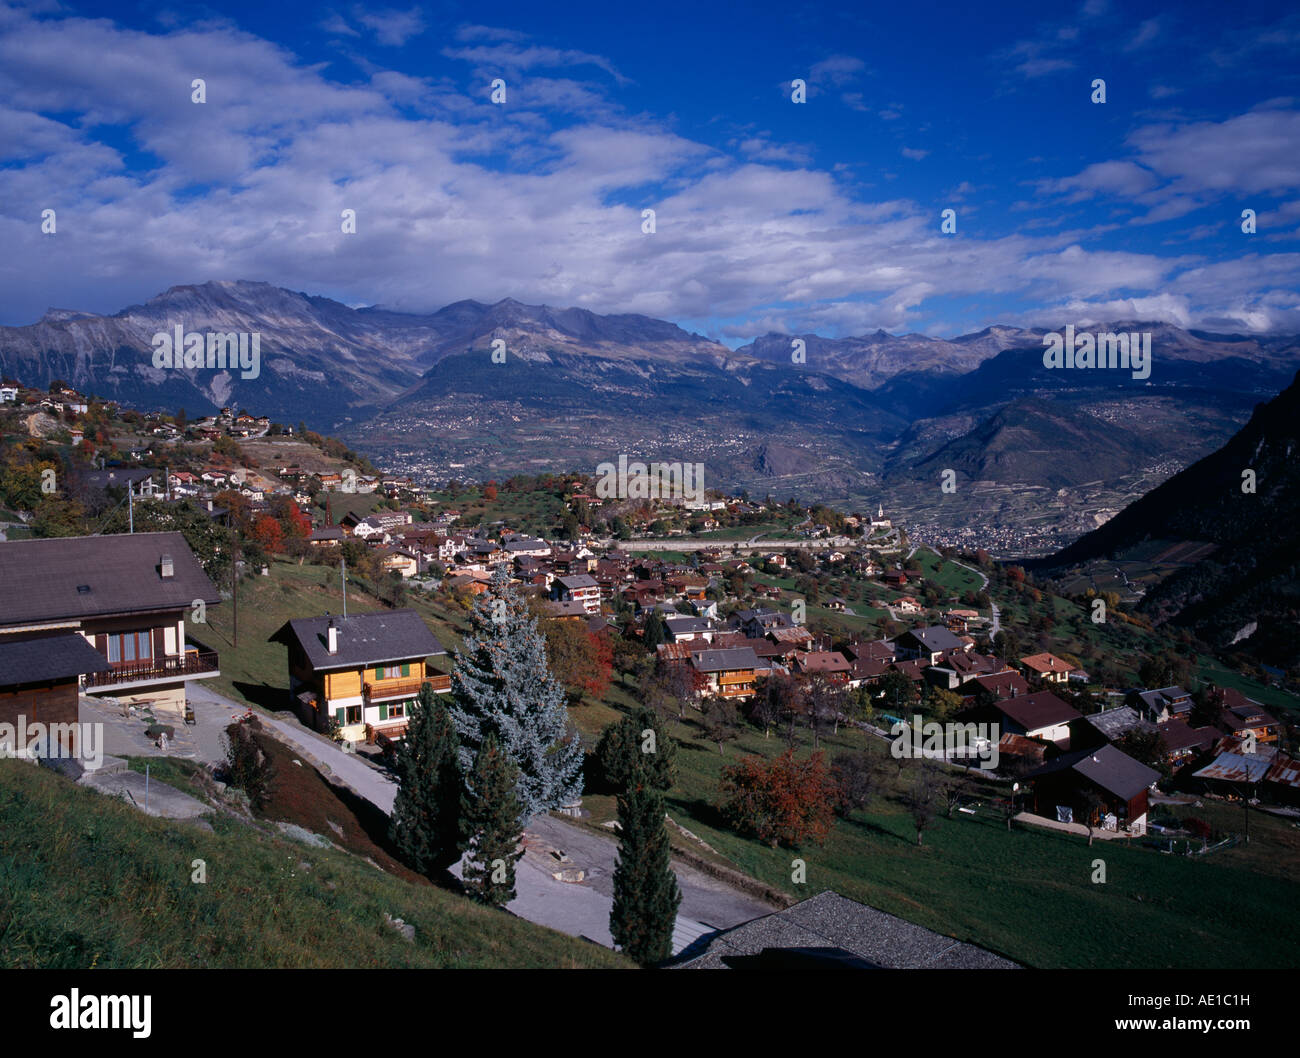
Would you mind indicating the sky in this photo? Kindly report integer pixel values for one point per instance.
(770, 215)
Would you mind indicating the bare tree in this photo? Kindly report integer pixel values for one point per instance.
(778, 698)
(856, 778)
(952, 786)
(919, 796)
(719, 719)
(1092, 805)
(824, 697)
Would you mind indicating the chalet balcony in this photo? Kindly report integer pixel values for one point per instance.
(190, 665)
(387, 690)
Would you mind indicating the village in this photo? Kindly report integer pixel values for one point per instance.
(736, 612)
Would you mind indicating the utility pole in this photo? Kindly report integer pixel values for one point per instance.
(343, 576)
(234, 591)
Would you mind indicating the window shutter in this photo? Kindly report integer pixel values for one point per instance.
(383, 710)
(406, 669)
(379, 672)
(338, 714)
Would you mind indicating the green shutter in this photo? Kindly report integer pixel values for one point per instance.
(406, 669)
(338, 715)
(379, 672)
(383, 710)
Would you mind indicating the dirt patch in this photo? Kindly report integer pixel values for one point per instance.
(301, 795)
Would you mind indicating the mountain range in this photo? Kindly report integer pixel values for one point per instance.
(863, 413)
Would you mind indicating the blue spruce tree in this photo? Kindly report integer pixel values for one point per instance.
(501, 685)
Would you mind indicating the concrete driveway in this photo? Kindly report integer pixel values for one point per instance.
(580, 909)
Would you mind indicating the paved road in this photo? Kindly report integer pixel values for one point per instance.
(995, 624)
(580, 909)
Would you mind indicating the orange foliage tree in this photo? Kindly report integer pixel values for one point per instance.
(783, 801)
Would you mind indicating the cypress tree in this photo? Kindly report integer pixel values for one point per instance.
(640, 737)
(502, 685)
(646, 896)
(490, 818)
(425, 824)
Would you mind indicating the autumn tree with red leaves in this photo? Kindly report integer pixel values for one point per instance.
(783, 801)
(582, 660)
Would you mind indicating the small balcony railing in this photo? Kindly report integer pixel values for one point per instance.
(408, 688)
(191, 663)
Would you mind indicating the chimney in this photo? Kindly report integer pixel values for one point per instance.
(333, 638)
(165, 567)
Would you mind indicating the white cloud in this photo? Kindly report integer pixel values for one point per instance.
(468, 200)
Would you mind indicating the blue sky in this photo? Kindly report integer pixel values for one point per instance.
(770, 215)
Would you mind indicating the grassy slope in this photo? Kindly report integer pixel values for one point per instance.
(88, 881)
(1027, 894)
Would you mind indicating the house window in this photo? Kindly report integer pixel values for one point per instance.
(391, 672)
(396, 710)
(130, 646)
(352, 714)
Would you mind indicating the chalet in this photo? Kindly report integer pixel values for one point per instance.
(927, 643)
(40, 683)
(908, 605)
(1060, 788)
(566, 611)
(140, 482)
(326, 536)
(581, 587)
(956, 667)
(894, 578)
(757, 622)
(1113, 724)
(1243, 717)
(362, 672)
(400, 560)
(729, 673)
(877, 650)
(8, 394)
(1163, 703)
(1046, 668)
(829, 663)
(1042, 716)
(1184, 742)
(999, 684)
(127, 595)
(683, 628)
(517, 546)
(959, 621)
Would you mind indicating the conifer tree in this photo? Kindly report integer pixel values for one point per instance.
(646, 896)
(502, 685)
(425, 823)
(640, 738)
(490, 813)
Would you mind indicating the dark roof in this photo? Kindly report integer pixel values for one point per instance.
(1109, 768)
(1180, 735)
(43, 580)
(831, 929)
(363, 639)
(935, 638)
(1033, 711)
(57, 657)
(681, 625)
(117, 477)
(726, 660)
(1115, 722)
(1003, 683)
